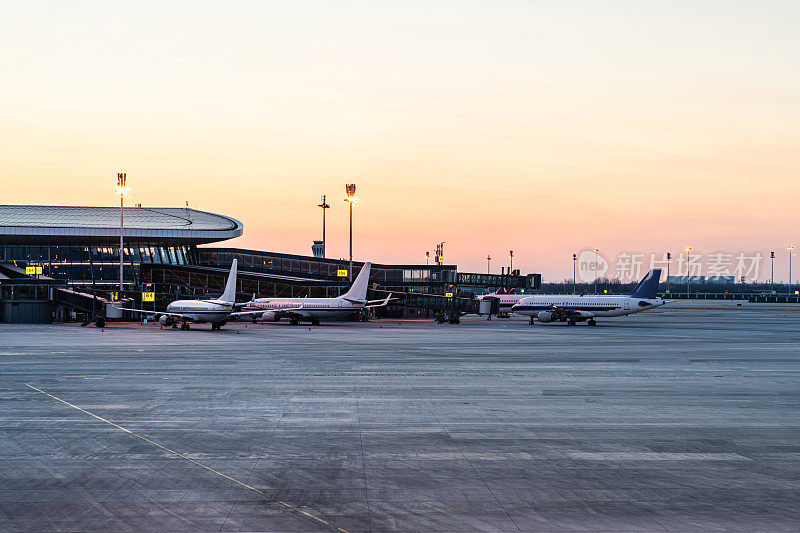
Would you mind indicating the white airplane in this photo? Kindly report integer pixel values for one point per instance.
(217, 311)
(572, 309)
(314, 309)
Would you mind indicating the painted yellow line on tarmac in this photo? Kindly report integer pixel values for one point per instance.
(229, 478)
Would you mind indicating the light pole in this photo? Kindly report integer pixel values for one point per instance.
(772, 270)
(688, 277)
(669, 260)
(488, 264)
(351, 199)
(595, 269)
(324, 205)
(511, 255)
(790, 248)
(427, 258)
(574, 263)
(122, 189)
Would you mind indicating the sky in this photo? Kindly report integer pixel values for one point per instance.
(543, 127)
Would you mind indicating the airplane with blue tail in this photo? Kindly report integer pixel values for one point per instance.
(572, 308)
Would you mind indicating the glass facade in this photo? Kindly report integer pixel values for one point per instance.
(531, 281)
(23, 291)
(94, 264)
(170, 283)
(399, 278)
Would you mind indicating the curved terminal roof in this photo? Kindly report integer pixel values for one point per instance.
(27, 223)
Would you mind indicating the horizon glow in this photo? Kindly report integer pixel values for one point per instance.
(543, 127)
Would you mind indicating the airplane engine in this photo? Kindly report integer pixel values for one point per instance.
(271, 316)
(166, 320)
(545, 316)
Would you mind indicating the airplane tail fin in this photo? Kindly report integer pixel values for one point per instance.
(230, 286)
(358, 291)
(648, 287)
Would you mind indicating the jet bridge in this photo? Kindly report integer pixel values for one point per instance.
(445, 308)
(95, 309)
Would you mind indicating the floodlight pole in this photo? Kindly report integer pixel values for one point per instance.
(790, 248)
(669, 260)
(688, 274)
(350, 268)
(121, 226)
(595, 270)
(121, 178)
(772, 270)
(574, 263)
(351, 198)
(488, 264)
(324, 205)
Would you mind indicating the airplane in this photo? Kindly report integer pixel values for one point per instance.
(314, 309)
(572, 309)
(217, 311)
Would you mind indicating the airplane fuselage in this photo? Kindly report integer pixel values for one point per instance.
(316, 308)
(201, 311)
(585, 307)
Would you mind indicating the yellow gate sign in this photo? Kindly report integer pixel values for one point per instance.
(148, 297)
(32, 270)
(449, 294)
(342, 273)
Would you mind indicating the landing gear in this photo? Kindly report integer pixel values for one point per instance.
(185, 326)
(531, 321)
(100, 323)
(571, 323)
(592, 322)
(294, 322)
(315, 321)
(215, 327)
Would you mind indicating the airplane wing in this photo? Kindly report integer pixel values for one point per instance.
(257, 312)
(381, 303)
(285, 312)
(244, 304)
(562, 312)
(149, 312)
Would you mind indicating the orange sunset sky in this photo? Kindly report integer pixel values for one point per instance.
(542, 127)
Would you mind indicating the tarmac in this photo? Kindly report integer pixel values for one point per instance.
(675, 419)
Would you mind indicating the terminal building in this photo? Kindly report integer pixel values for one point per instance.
(51, 257)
